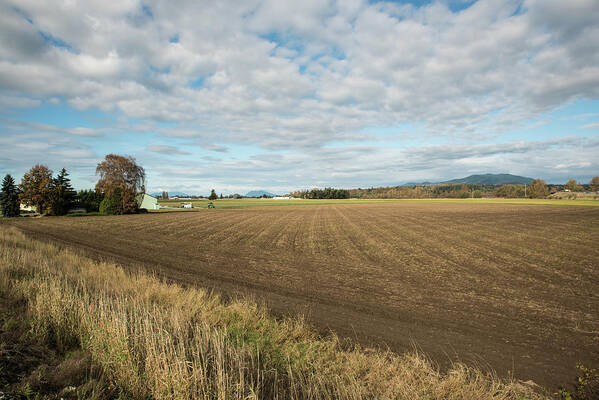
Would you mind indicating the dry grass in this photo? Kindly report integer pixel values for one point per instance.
(575, 196)
(505, 286)
(162, 341)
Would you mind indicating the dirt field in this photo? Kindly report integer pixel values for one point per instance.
(510, 287)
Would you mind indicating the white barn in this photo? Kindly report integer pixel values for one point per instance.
(147, 202)
(23, 207)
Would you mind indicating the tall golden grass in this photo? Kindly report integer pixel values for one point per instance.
(162, 341)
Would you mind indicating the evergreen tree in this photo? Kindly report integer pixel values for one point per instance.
(213, 195)
(90, 200)
(63, 196)
(113, 204)
(9, 198)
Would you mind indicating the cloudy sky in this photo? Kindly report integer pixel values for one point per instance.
(281, 95)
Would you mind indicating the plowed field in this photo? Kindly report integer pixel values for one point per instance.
(510, 287)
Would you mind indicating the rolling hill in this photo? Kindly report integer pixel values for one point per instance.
(258, 193)
(171, 194)
(491, 179)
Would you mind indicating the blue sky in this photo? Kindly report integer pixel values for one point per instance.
(285, 95)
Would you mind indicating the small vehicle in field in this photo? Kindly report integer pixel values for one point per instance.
(210, 205)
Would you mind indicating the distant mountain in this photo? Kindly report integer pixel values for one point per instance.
(171, 194)
(492, 179)
(259, 193)
(418, 184)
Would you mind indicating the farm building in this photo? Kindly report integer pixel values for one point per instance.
(148, 202)
(24, 207)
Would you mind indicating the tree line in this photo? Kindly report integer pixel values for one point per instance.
(121, 181)
(326, 193)
(538, 188)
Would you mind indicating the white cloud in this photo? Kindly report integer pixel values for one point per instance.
(8, 102)
(365, 166)
(447, 70)
(300, 76)
(592, 125)
(215, 147)
(165, 149)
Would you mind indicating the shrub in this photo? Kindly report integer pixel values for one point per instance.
(586, 386)
(112, 205)
(90, 200)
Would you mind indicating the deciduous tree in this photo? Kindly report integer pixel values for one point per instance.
(573, 186)
(121, 176)
(594, 183)
(9, 198)
(510, 191)
(36, 188)
(538, 189)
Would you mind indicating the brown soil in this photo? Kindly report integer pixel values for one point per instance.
(511, 288)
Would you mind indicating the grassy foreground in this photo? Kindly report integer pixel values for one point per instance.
(161, 341)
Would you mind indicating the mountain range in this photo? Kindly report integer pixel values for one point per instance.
(492, 179)
(481, 179)
(259, 193)
(171, 194)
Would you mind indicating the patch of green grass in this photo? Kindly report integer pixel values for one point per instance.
(229, 203)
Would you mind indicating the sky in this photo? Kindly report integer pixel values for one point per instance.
(285, 95)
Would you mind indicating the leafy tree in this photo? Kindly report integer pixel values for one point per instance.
(573, 186)
(36, 188)
(63, 196)
(510, 191)
(112, 205)
(121, 174)
(164, 195)
(538, 189)
(90, 200)
(594, 183)
(326, 193)
(213, 195)
(9, 198)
